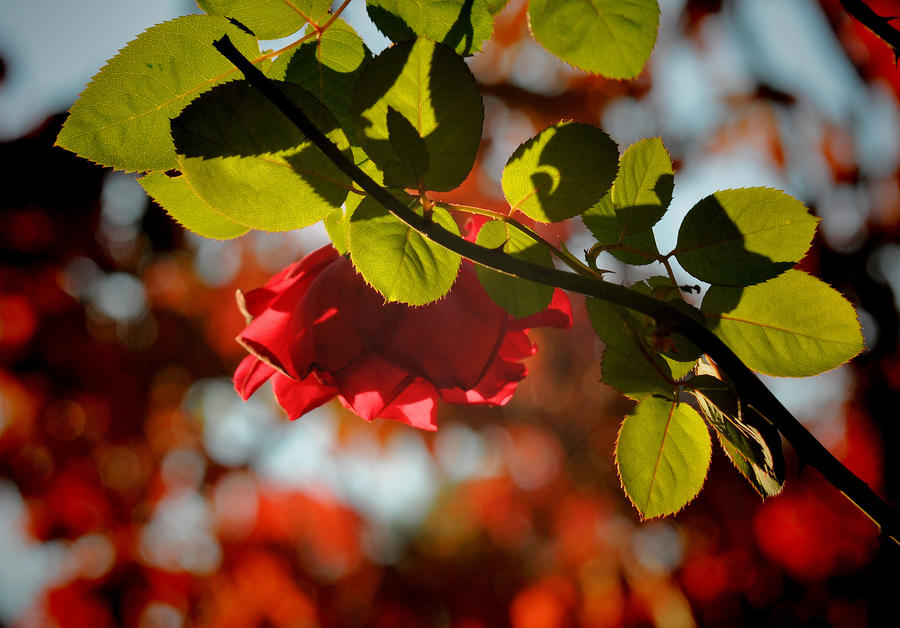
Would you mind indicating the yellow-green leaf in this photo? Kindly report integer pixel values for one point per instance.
(519, 297)
(122, 117)
(178, 199)
(792, 325)
(560, 172)
(459, 24)
(609, 37)
(431, 87)
(741, 237)
(639, 197)
(663, 453)
(397, 260)
(249, 162)
(269, 19)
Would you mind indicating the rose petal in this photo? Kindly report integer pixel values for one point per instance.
(253, 303)
(319, 330)
(274, 338)
(497, 386)
(557, 314)
(472, 225)
(323, 320)
(452, 342)
(344, 316)
(370, 384)
(299, 396)
(250, 374)
(415, 406)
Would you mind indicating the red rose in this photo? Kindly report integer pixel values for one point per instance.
(318, 330)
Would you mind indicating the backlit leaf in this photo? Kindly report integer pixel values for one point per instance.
(122, 117)
(613, 324)
(634, 375)
(519, 297)
(750, 441)
(663, 453)
(560, 172)
(762, 482)
(406, 141)
(176, 196)
(636, 201)
(609, 37)
(337, 226)
(431, 87)
(397, 260)
(459, 24)
(621, 329)
(249, 162)
(792, 325)
(631, 364)
(269, 19)
(327, 67)
(741, 237)
(632, 248)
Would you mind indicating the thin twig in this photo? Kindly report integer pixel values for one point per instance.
(562, 255)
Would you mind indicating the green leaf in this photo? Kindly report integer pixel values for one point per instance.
(560, 172)
(622, 329)
(613, 324)
(639, 197)
(642, 190)
(122, 117)
(397, 260)
(762, 482)
(175, 195)
(792, 325)
(637, 249)
(631, 364)
(663, 453)
(327, 67)
(337, 225)
(431, 87)
(608, 37)
(365, 163)
(269, 19)
(458, 24)
(742, 237)
(748, 438)
(249, 162)
(406, 141)
(519, 297)
(633, 374)
(673, 345)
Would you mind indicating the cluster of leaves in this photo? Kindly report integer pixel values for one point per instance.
(221, 159)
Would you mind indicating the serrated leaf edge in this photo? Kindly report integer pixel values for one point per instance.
(622, 484)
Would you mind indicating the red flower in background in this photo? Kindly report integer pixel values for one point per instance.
(319, 331)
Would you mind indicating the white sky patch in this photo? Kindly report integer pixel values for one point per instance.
(233, 430)
(791, 44)
(27, 567)
(816, 401)
(53, 47)
(180, 535)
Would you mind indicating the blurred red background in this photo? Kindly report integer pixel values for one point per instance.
(136, 489)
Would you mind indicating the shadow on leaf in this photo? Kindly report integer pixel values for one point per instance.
(713, 249)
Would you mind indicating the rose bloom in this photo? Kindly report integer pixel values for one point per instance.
(317, 330)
